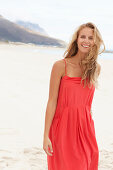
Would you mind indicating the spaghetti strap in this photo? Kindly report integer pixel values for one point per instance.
(65, 67)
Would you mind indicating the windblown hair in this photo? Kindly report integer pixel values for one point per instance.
(89, 65)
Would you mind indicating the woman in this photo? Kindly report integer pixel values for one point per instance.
(69, 134)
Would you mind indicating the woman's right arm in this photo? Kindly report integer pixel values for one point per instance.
(56, 74)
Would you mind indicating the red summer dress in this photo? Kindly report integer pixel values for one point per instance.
(72, 132)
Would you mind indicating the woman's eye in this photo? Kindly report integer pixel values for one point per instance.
(91, 38)
(82, 36)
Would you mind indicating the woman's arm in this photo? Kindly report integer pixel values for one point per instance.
(56, 74)
(98, 72)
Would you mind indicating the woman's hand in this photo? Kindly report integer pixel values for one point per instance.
(47, 146)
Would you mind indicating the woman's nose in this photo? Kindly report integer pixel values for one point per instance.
(86, 40)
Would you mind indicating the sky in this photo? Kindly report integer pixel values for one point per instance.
(60, 18)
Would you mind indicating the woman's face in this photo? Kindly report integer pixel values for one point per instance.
(85, 40)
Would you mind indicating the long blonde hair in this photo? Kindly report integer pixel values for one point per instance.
(89, 63)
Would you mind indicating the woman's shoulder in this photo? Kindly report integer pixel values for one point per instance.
(59, 62)
(59, 66)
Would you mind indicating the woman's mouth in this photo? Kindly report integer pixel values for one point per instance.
(85, 46)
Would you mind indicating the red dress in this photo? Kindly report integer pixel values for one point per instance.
(72, 131)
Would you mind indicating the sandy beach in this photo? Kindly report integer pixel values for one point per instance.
(24, 87)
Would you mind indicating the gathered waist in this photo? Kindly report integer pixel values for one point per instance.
(79, 109)
(82, 107)
(74, 106)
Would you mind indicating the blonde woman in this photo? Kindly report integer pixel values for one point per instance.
(69, 135)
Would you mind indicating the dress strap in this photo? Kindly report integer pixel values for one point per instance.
(65, 67)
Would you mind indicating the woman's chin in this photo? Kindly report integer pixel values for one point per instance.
(85, 51)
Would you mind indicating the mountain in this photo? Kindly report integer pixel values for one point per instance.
(10, 31)
(32, 26)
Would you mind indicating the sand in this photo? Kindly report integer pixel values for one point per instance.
(24, 87)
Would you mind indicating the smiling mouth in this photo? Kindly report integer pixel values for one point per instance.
(85, 46)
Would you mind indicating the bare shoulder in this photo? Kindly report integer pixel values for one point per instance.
(59, 63)
(56, 74)
(58, 67)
